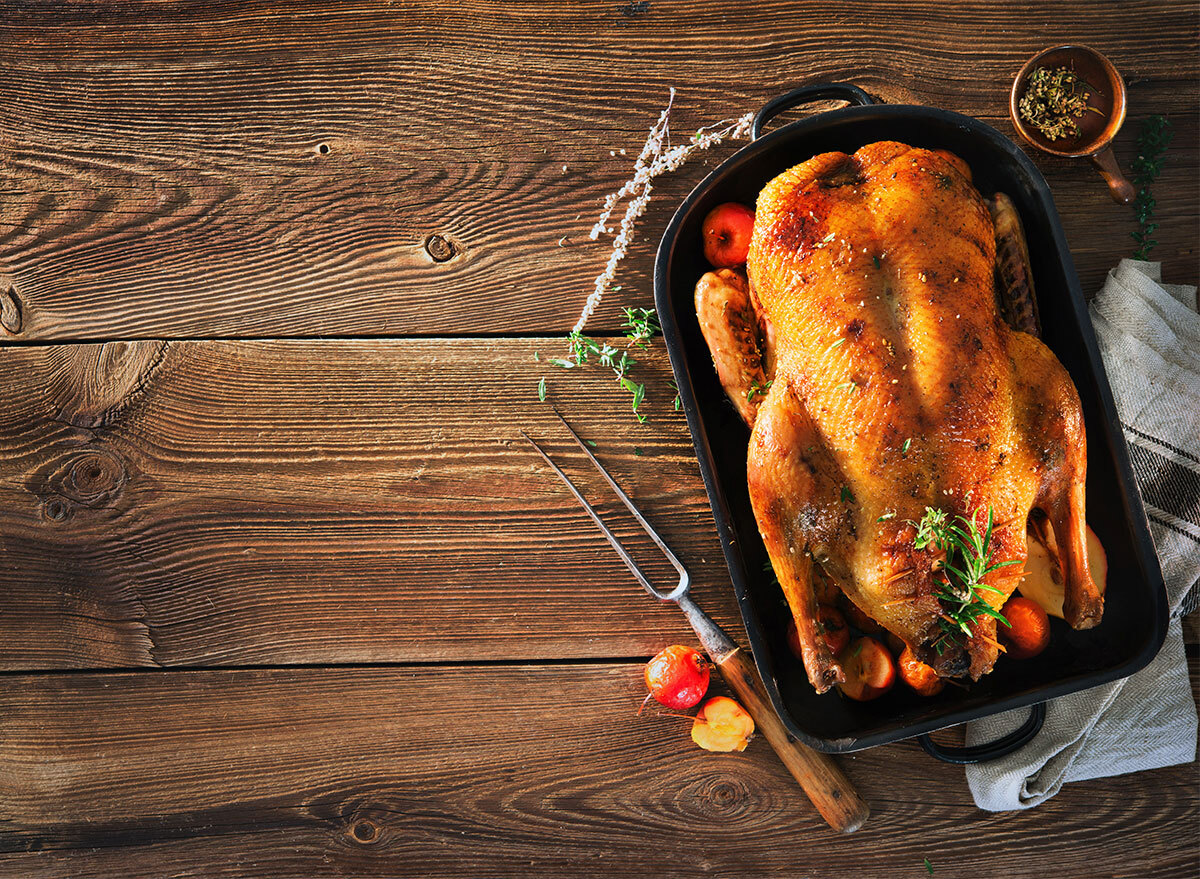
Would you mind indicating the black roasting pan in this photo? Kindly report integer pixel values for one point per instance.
(1135, 616)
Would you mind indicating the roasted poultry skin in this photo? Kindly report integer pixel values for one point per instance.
(895, 385)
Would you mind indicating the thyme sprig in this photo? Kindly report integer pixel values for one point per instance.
(757, 390)
(1155, 135)
(641, 326)
(968, 560)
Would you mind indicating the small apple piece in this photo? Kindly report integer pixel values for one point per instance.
(830, 623)
(1043, 578)
(1028, 631)
(869, 668)
(918, 675)
(726, 231)
(722, 725)
(677, 677)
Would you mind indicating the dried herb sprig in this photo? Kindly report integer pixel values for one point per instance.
(1152, 142)
(657, 157)
(1054, 98)
(968, 560)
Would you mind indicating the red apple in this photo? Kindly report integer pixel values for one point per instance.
(677, 677)
(870, 669)
(726, 231)
(830, 623)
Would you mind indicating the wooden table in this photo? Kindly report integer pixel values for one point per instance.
(280, 591)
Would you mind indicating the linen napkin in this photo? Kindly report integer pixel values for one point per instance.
(1149, 335)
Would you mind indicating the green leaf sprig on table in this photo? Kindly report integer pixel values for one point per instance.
(641, 325)
(968, 560)
(1153, 139)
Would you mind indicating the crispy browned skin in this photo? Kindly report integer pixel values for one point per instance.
(876, 273)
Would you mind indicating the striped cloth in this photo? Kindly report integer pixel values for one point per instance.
(1149, 336)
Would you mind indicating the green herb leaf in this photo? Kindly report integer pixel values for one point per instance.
(637, 451)
(904, 448)
(847, 495)
(888, 515)
(591, 443)
(757, 390)
(542, 390)
(928, 867)
(641, 325)
(834, 345)
(1153, 139)
(875, 260)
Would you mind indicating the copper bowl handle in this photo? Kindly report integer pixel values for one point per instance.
(1119, 188)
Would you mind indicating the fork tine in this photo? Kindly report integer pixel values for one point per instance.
(612, 538)
(671, 557)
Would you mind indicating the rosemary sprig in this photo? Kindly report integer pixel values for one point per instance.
(968, 560)
(1155, 135)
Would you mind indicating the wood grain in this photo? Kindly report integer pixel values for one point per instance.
(175, 171)
(461, 771)
(198, 503)
(831, 793)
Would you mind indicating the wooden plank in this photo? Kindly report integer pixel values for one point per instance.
(175, 171)
(500, 771)
(195, 503)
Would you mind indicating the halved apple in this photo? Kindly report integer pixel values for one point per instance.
(1043, 582)
(869, 668)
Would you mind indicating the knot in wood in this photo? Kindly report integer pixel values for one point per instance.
(56, 510)
(440, 248)
(364, 831)
(11, 317)
(724, 797)
(90, 478)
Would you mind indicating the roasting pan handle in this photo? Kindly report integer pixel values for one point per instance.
(822, 91)
(991, 750)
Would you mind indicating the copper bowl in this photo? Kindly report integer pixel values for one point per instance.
(1096, 130)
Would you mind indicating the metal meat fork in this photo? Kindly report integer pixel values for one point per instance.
(829, 790)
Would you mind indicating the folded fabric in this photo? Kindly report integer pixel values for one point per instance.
(1149, 336)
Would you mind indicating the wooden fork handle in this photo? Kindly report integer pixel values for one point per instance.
(826, 785)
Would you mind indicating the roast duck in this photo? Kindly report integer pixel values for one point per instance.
(869, 348)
